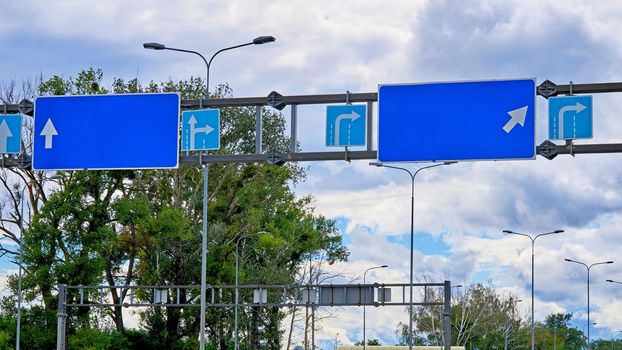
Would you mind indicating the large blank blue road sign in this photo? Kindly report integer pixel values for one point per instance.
(132, 131)
(487, 120)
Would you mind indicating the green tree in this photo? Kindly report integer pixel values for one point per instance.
(144, 227)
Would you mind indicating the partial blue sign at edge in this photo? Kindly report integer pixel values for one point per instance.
(570, 117)
(457, 121)
(10, 133)
(200, 130)
(345, 125)
(106, 132)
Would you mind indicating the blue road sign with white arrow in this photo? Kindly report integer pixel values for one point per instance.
(130, 131)
(200, 130)
(10, 133)
(482, 120)
(345, 125)
(570, 117)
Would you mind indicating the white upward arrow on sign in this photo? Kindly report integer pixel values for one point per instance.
(49, 131)
(5, 133)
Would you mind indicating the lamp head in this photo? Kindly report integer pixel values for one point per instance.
(263, 40)
(507, 231)
(449, 163)
(384, 266)
(609, 262)
(154, 46)
(569, 260)
(378, 164)
(610, 281)
(558, 231)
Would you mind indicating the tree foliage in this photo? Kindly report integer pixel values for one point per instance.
(123, 228)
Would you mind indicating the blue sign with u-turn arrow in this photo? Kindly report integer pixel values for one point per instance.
(129, 131)
(570, 117)
(200, 130)
(345, 125)
(481, 120)
(10, 133)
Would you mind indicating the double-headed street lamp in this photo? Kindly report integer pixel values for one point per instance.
(237, 248)
(588, 290)
(364, 275)
(412, 235)
(157, 46)
(533, 242)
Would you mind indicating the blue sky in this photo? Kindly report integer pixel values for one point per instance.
(333, 46)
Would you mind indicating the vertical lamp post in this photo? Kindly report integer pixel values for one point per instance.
(237, 245)
(157, 46)
(412, 235)
(364, 275)
(533, 242)
(588, 291)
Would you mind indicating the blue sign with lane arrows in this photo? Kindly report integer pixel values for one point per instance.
(10, 133)
(130, 131)
(570, 117)
(345, 125)
(200, 130)
(485, 120)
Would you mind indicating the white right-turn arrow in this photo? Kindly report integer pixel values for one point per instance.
(517, 117)
(49, 131)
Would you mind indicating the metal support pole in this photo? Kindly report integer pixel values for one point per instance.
(447, 316)
(293, 127)
(203, 259)
(533, 325)
(19, 274)
(258, 130)
(62, 317)
(588, 308)
(236, 345)
(370, 125)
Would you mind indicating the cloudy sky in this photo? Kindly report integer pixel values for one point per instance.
(334, 46)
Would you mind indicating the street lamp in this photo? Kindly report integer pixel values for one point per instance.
(158, 46)
(412, 235)
(365, 273)
(588, 291)
(237, 245)
(533, 242)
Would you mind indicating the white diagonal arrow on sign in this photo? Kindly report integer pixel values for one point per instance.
(577, 108)
(517, 117)
(49, 131)
(352, 116)
(5, 133)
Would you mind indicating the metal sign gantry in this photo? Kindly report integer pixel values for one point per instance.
(296, 295)
(547, 149)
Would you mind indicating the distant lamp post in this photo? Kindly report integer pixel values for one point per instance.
(533, 242)
(588, 291)
(237, 245)
(365, 273)
(157, 46)
(413, 175)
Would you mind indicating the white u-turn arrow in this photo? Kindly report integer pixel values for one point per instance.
(517, 117)
(577, 108)
(49, 131)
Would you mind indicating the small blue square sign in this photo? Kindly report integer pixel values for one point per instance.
(10, 133)
(345, 125)
(570, 117)
(200, 130)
